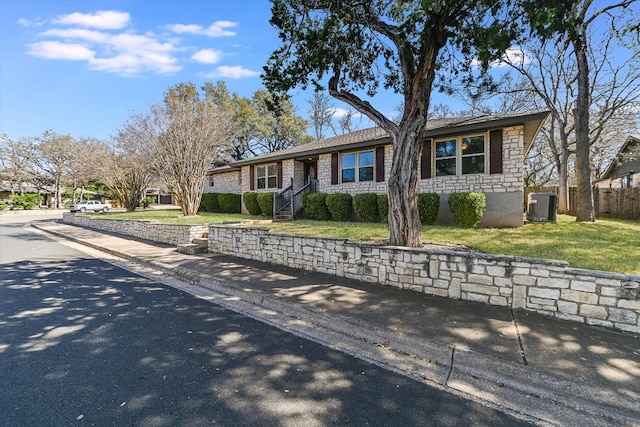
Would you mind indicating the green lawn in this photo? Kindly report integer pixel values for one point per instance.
(174, 216)
(608, 244)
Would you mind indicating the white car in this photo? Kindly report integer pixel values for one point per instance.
(90, 205)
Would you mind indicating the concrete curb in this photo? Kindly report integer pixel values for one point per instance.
(513, 387)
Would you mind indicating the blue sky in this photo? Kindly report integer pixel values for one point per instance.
(81, 67)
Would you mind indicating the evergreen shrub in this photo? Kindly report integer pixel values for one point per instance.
(229, 202)
(265, 201)
(209, 202)
(428, 205)
(467, 208)
(366, 206)
(340, 206)
(251, 203)
(25, 201)
(383, 207)
(315, 206)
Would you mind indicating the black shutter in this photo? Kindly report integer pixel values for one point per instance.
(279, 167)
(495, 151)
(252, 177)
(334, 168)
(379, 164)
(425, 160)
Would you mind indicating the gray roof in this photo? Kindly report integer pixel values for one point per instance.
(378, 136)
(626, 161)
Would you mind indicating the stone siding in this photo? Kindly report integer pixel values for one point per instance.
(227, 182)
(547, 287)
(162, 233)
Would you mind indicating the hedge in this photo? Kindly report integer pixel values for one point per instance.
(229, 202)
(315, 206)
(467, 208)
(428, 206)
(251, 203)
(340, 206)
(366, 206)
(25, 201)
(265, 201)
(383, 207)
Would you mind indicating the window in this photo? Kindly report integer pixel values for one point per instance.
(472, 149)
(446, 157)
(349, 167)
(357, 167)
(267, 176)
(211, 181)
(366, 161)
(462, 156)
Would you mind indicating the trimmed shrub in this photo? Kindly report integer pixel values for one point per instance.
(428, 205)
(209, 202)
(265, 201)
(340, 206)
(467, 208)
(25, 201)
(3, 206)
(148, 201)
(315, 206)
(251, 203)
(366, 206)
(383, 207)
(229, 202)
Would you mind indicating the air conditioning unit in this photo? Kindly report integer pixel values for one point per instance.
(542, 207)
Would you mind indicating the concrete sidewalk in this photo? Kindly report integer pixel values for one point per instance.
(551, 371)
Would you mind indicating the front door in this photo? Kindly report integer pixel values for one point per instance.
(310, 171)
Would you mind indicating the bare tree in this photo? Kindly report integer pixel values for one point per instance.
(321, 111)
(125, 165)
(51, 154)
(345, 121)
(82, 166)
(191, 131)
(550, 72)
(571, 22)
(15, 162)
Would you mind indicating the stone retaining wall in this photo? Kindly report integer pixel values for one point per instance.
(148, 230)
(548, 287)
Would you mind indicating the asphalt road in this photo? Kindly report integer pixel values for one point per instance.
(83, 342)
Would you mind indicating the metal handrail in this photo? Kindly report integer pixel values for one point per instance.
(280, 200)
(312, 186)
(287, 196)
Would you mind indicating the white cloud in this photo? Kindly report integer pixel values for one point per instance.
(102, 19)
(27, 23)
(58, 50)
(77, 33)
(339, 112)
(513, 55)
(124, 53)
(516, 56)
(217, 29)
(233, 72)
(207, 56)
(99, 39)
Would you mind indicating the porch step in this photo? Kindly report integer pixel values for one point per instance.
(284, 215)
(192, 248)
(201, 241)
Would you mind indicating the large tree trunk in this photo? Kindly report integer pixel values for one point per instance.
(404, 219)
(584, 197)
(563, 180)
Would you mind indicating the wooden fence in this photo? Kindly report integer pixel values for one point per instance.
(623, 203)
